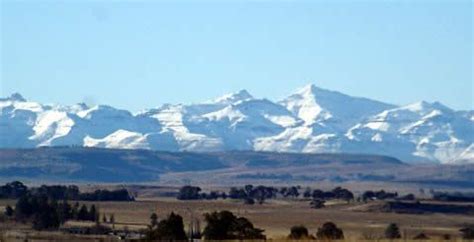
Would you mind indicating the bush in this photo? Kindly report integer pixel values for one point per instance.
(298, 232)
(9, 211)
(392, 231)
(329, 231)
(408, 197)
(249, 201)
(317, 203)
(421, 236)
(467, 232)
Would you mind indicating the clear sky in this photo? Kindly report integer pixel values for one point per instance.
(141, 54)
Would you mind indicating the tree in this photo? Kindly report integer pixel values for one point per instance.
(421, 236)
(219, 225)
(317, 203)
(291, 192)
(75, 211)
(249, 201)
(329, 231)
(195, 229)
(24, 207)
(104, 218)
(343, 194)
(467, 232)
(392, 231)
(171, 229)
(298, 232)
(248, 189)
(93, 214)
(236, 193)
(408, 197)
(46, 215)
(318, 194)
(446, 237)
(106, 195)
(112, 220)
(189, 193)
(64, 211)
(9, 211)
(243, 229)
(153, 220)
(368, 195)
(307, 193)
(83, 213)
(224, 225)
(13, 190)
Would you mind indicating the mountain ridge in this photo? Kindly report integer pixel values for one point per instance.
(310, 120)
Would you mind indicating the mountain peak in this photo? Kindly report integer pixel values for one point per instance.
(423, 106)
(16, 97)
(234, 97)
(312, 91)
(308, 89)
(313, 104)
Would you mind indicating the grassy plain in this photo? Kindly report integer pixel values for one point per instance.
(277, 216)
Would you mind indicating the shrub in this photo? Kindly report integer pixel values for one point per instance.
(392, 231)
(421, 236)
(317, 203)
(9, 211)
(329, 231)
(298, 232)
(467, 232)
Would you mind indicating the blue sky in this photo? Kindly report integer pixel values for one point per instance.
(141, 54)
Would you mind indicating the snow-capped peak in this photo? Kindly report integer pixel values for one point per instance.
(312, 119)
(15, 97)
(313, 104)
(234, 97)
(425, 107)
(309, 89)
(303, 103)
(103, 110)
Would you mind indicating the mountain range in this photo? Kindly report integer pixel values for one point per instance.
(311, 120)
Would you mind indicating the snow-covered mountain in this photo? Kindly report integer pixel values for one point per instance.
(310, 120)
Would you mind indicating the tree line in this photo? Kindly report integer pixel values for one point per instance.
(16, 189)
(251, 194)
(453, 197)
(260, 193)
(47, 213)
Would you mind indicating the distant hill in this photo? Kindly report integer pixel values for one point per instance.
(118, 165)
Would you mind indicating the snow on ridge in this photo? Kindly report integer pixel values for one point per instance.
(119, 139)
(232, 97)
(310, 120)
(51, 124)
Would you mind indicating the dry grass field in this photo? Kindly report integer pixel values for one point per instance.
(277, 216)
